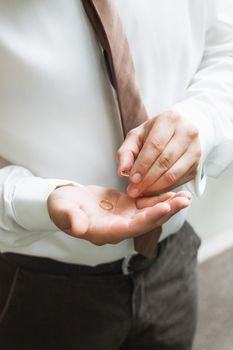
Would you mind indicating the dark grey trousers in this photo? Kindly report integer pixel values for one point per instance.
(153, 309)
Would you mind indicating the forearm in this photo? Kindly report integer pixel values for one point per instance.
(23, 205)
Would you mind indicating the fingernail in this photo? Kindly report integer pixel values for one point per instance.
(188, 196)
(136, 178)
(168, 207)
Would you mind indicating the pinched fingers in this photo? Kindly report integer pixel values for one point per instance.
(177, 164)
(166, 197)
(145, 202)
(175, 148)
(155, 143)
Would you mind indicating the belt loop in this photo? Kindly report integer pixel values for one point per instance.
(126, 264)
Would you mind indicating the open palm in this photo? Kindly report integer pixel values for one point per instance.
(77, 211)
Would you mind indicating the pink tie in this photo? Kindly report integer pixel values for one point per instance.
(108, 28)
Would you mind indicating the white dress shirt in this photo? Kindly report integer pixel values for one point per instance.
(59, 121)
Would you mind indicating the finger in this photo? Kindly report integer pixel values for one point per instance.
(150, 201)
(126, 161)
(142, 222)
(181, 182)
(181, 172)
(147, 219)
(175, 148)
(130, 149)
(155, 143)
(185, 194)
(177, 205)
(170, 195)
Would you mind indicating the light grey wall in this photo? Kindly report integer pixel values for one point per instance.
(212, 213)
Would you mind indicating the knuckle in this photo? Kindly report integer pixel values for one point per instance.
(197, 153)
(164, 161)
(143, 166)
(170, 178)
(118, 153)
(192, 132)
(134, 150)
(130, 133)
(156, 145)
(173, 117)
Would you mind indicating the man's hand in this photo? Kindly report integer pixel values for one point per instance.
(76, 211)
(160, 154)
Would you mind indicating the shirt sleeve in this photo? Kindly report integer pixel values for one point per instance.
(208, 103)
(23, 205)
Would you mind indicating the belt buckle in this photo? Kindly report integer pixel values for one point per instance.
(126, 264)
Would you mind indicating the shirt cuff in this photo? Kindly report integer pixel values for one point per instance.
(197, 185)
(29, 203)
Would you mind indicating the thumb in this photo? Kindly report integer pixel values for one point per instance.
(70, 219)
(79, 222)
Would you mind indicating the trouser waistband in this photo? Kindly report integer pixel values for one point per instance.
(125, 266)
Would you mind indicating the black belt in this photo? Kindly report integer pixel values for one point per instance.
(125, 266)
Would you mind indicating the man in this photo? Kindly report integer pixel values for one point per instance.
(66, 223)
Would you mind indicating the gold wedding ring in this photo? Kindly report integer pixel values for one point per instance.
(125, 173)
(105, 204)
